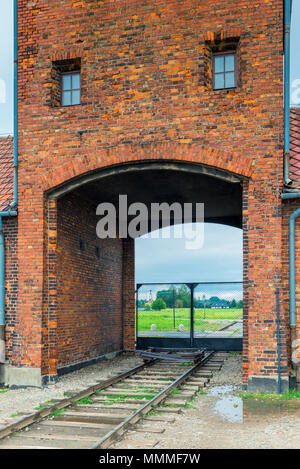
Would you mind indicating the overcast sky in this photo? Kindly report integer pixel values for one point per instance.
(220, 258)
(6, 67)
(168, 260)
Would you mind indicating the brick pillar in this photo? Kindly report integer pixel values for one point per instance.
(246, 282)
(128, 295)
(49, 330)
(264, 263)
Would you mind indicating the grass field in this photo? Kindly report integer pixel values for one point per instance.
(205, 320)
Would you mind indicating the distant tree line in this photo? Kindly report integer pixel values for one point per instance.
(181, 298)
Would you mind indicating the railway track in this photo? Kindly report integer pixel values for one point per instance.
(99, 415)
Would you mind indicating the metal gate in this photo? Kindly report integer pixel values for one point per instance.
(200, 314)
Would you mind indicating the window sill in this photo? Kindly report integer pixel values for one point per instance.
(234, 88)
(69, 105)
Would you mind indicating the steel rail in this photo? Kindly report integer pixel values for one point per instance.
(105, 441)
(47, 411)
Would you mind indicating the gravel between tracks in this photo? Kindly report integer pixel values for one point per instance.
(24, 401)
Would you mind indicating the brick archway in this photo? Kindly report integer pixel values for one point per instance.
(130, 153)
(77, 169)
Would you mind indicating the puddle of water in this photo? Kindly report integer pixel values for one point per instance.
(234, 409)
(228, 406)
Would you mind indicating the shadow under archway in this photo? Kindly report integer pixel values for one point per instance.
(219, 191)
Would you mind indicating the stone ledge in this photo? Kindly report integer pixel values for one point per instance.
(16, 377)
(267, 384)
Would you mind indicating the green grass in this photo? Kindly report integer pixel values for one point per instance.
(43, 406)
(175, 391)
(2, 391)
(188, 404)
(219, 313)
(57, 412)
(85, 400)
(204, 320)
(124, 397)
(14, 415)
(139, 390)
(292, 394)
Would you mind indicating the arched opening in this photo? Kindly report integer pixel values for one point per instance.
(95, 290)
(172, 276)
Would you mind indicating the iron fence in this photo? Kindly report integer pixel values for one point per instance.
(189, 310)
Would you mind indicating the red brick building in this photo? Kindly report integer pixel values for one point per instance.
(110, 94)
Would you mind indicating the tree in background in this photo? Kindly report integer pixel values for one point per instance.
(183, 294)
(158, 304)
(168, 296)
(173, 294)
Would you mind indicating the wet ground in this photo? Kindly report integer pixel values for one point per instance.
(235, 409)
(228, 405)
(220, 419)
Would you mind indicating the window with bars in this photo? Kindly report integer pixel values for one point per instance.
(70, 92)
(224, 70)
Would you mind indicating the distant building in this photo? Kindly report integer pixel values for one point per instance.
(220, 304)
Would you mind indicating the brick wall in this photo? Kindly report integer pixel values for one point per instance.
(89, 285)
(13, 338)
(128, 295)
(147, 94)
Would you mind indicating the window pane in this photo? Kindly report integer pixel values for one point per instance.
(66, 82)
(229, 63)
(76, 81)
(229, 80)
(219, 81)
(219, 64)
(66, 98)
(76, 97)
